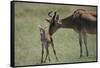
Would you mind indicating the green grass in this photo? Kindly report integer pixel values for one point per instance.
(27, 39)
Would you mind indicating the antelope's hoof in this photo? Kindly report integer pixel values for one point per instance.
(49, 60)
(41, 62)
(87, 55)
(57, 59)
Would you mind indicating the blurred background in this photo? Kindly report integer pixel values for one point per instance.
(27, 38)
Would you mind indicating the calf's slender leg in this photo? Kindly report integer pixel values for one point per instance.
(42, 53)
(47, 53)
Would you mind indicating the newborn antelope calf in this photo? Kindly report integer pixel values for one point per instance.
(46, 40)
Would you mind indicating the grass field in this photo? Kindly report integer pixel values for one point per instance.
(27, 39)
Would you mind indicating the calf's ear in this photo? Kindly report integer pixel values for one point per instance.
(40, 26)
(45, 26)
(48, 20)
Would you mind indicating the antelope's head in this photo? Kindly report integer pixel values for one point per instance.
(53, 18)
(54, 22)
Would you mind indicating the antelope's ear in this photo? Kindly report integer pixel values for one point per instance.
(47, 20)
(59, 22)
(57, 17)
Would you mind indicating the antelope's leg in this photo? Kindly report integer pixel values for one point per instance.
(52, 44)
(47, 53)
(80, 42)
(42, 53)
(85, 42)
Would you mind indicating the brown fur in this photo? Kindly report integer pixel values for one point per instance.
(81, 21)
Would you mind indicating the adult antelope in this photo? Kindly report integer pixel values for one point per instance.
(81, 21)
(46, 40)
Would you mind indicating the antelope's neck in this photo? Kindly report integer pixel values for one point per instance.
(52, 30)
(48, 37)
(50, 33)
(67, 22)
